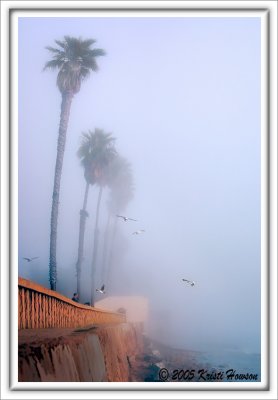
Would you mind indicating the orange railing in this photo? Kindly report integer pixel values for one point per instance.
(39, 307)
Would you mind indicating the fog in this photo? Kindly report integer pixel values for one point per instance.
(182, 98)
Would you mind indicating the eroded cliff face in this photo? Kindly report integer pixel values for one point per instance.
(94, 354)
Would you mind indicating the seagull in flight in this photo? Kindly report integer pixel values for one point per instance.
(30, 259)
(138, 232)
(192, 283)
(126, 218)
(101, 290)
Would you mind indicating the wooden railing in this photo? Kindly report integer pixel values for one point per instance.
(39, 307)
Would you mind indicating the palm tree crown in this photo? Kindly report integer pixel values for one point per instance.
(120, 181)
(75, 60)
(96, 152)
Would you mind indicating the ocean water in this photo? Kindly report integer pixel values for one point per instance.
(216, 363)
(237, 366)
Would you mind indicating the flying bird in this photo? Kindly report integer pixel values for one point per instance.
(126, 218)
(30, 259)
(138, 232)
(101, 290)
(192, 283)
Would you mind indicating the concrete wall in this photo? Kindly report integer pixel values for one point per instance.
(136, 307)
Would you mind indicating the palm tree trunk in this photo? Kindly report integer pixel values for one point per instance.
(82, 223)
(64, 118)
(109, 265)
(95, 249)
(105, 248)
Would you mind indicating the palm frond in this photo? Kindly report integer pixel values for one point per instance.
(52, 64)
(96, 53)
(88, 42)
(61, 44)
(54, 50)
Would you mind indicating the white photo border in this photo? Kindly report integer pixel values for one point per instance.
(10, 11)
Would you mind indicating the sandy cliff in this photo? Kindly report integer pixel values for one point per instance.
(94, 354)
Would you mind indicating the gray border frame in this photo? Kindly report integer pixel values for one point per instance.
(268, 230)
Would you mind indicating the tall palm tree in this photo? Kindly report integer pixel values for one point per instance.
(74, 59)
(96, 151)
(120, 181)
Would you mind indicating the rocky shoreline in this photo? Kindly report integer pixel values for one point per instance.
(160, 363)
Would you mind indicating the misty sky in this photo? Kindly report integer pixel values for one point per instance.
(182, 98)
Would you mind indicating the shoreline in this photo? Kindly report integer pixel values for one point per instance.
(157, 357)
(161, 363)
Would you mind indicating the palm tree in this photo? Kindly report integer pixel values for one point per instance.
(120, 181)
(96, 152)
(74, 59)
